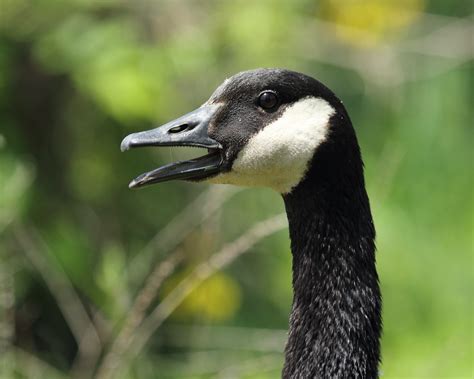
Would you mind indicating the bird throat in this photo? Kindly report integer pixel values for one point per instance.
(335, 322)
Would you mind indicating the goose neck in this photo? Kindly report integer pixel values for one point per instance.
(335, 322)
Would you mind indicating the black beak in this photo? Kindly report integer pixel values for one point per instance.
(188, 130)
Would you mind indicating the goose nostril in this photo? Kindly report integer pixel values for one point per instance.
(178, 129)
(182, 128)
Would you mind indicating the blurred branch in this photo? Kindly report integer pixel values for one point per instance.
(203, 271)
(82, 327)
(225, 338)
(204, 206)
(254, 366)
(452, 40)
(141, 304)
(7, 322)
(168, 238)
(447, 43)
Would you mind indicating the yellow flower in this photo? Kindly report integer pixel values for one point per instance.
(366, 23)
(216, 299)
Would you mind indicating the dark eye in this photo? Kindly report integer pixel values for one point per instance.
(268, 100)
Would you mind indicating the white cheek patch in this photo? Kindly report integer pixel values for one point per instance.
(279, 154)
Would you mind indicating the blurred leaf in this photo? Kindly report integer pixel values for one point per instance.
(15, 180)
(111, 278)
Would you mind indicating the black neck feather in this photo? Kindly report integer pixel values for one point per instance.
(335, 323)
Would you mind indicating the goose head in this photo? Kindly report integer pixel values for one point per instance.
(260, 128)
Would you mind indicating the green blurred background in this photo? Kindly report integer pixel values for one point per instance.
(77, 246)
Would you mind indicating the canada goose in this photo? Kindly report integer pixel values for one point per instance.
(287, 131)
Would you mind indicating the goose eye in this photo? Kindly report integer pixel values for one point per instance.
(268, 100)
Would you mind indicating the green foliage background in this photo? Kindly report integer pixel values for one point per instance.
(76, 76)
